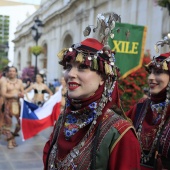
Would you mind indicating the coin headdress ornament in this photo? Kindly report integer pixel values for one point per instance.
(162, 61)
(95, 52)
(165, 41)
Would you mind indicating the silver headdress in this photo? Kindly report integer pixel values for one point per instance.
(105, 25)
(165, 41)
(95, 52)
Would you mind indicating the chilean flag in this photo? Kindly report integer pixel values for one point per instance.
(35, 119)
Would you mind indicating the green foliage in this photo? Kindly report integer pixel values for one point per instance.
(3, 63)
(37, 50)
(163, 3)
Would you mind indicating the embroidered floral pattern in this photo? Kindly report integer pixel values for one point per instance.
(164, 140)
(78, 120)
(158, 107)
(157, 110)
(146, 157)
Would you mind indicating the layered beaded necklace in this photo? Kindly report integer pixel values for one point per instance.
(157, 110)
(96, 111)
(162, 108)
(14, 82)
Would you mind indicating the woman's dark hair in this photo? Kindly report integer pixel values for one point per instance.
(12, 67)
(5, 70)
(42, 76)
(158, 70)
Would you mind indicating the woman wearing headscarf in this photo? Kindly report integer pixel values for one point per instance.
(89, 134)
(151, 116)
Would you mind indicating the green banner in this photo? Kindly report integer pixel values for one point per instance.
(129, 47)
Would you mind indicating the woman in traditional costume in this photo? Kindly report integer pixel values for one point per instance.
(151, 116)
(89, 134)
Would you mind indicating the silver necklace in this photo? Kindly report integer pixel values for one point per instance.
(146, 157)
(69, 159)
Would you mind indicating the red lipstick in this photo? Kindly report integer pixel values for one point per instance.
(73, 85)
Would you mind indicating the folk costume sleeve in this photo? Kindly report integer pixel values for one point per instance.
(122, 152)
(49, 143)
(46, 150)
(132, 112)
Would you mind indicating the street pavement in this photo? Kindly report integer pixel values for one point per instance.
(27, 155)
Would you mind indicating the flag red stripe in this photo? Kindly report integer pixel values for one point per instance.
(32, 127)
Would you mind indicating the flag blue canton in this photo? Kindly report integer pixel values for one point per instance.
(28, 110)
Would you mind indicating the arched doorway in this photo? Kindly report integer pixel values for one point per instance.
(68, 41)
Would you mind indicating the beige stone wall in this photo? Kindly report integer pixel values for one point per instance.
(64, 25)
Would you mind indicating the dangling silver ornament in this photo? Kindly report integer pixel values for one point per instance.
(87, 31)
(156, 48)
(112, 36)
(70, 49)
(107, 31)
(106, 48)
(112, 25)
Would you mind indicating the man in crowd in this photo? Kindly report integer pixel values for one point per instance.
(12, 89)
(3, 78)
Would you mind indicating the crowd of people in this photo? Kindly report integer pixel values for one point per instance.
(11, 90)
(92, 131)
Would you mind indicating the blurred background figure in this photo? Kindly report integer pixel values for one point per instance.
(64, 91)
(12, 90)
(51, 87)
(27, 83)
(3, 78)
(56, 83)
(40, 89)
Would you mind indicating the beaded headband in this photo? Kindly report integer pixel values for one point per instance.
(92, 52)
(161, 62)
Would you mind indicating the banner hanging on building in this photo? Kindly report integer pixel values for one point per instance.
(129, 46)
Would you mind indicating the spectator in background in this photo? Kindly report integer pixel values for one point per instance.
(39, 90)
(64, 91)
(56, 83)
(2, 79)
(12, 90)
(51, 87)
(27, 83)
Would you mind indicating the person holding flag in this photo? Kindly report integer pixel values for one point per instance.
(90, 134)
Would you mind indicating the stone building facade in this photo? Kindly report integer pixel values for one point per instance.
(65, 20)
